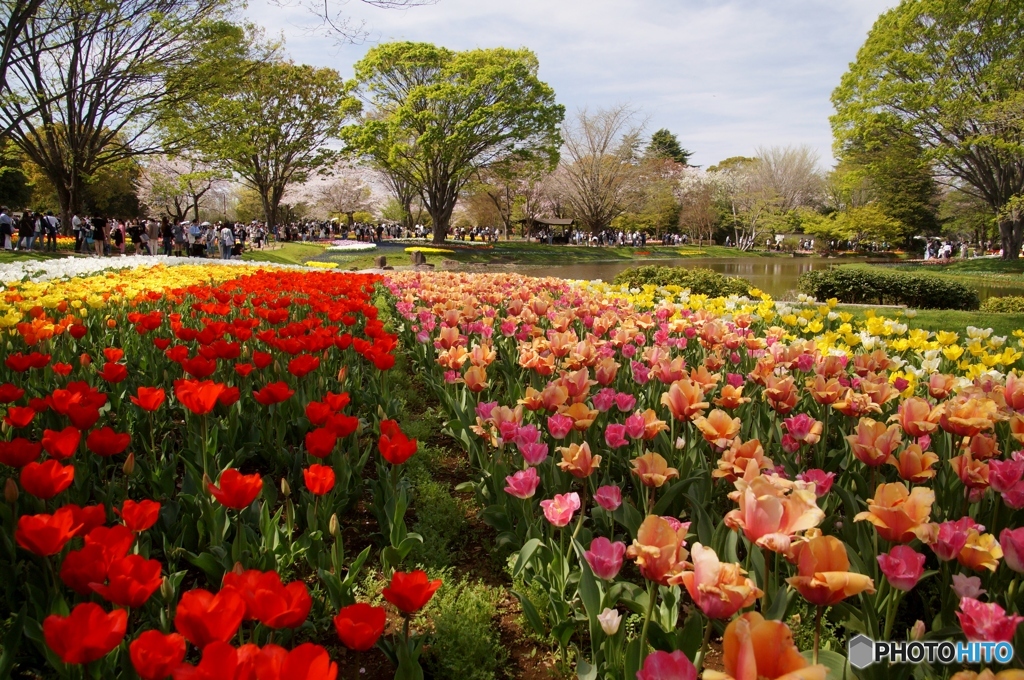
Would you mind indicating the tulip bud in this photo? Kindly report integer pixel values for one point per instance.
(917, 630)
(285, 489)
(166, 590)
(342, 374)
(610, 620)
(680, 442)
(84, 359)
(380, 413)
(129, 465)
(111, 323)
(334, 526)
(11, 491)
(361, 427)
(206, 481)
(238, 569)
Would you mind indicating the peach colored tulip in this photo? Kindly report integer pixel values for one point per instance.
(582, 416)
(684, 400)
(972, 473)
(1013, 392)
(653, 425)
(659, 550)
(577, 460)
(718, 428)
(856, 405)
(781, 393)
(731, 397)
(706, 380)
(940, 385)
(982, 551)
(653, 470)
(823, 572)
(719, 589)
(742, 459)
(968, 417)
(983, 446)
(914, 465)
(872, 442)
(899, 515)
(1017, 427)
(771, 510)
(756, 649)
(825, 391)
(917, 417)
(606, 370)
(476, 378)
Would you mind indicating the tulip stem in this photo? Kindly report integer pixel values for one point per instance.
(765, 599)
(817, 633)
(704, 645)
(890, 614)
(652, 590)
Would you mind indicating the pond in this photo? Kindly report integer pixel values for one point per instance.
(776, 276)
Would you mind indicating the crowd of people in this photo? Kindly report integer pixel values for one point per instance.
(24, 232)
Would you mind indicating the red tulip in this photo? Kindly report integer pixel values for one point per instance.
(132, 580)
(46, 534)
(279, 606)
(317, 412)
(308, 661)
(320, 442)
(105, 442)
(19, 416)
(229, 396)
(199, 368)
(243, 369)
(62, 369)
(77, 331)
(113, 373)
(337, 401)
(221, 661)
(198, 397)
(149, 398)
(155, 655)
(10, 393)
(319, 479)
(82, 567)
(396, 448)
(360, 626)
(237, 491)
(303, 365)
(89, 517)
(116, 540)
(342, 425)
(262, 359)
(139, 516)
(409, 592)
(247, 583)
(87, 634)
(62, 444)
(83, 417)
(203, 617)
(19, 452)
(274, 393)
(46, 480)
(113, 354)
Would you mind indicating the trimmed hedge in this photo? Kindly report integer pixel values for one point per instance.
(1011, 304)
(861, 285)
(698, 280)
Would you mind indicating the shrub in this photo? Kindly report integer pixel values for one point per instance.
(440, 518)
(1011, 304)
(698, 280)
(862, 285)
(465, 645)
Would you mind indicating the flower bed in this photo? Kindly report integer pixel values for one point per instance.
(348, 246)
(727, 466)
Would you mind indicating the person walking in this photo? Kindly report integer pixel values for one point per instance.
(6, 228)
(227, 241)
(26, 231)
(51, 224)
(99, 226)
(167, 234)
(76, 229)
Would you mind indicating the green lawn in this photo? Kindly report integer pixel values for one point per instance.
(287, 253)
(944, 319)
(17, 256)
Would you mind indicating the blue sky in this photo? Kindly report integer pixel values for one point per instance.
(726, 76)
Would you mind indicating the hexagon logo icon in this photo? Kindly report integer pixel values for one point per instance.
(861, 651)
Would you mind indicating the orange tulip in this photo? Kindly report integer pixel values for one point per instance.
(582, 416)
(482, 356)
(742, 459)
(983, 446)
(706, 380)
(719, 589)
(881, 392)
(825, 391)
(899, 515)
(577, 460)
(684, 399)
(771, 510)
(968, 417)
(653, 470)
(476, 378)
(781, 393)
(823, 572)
(1013, 392)
(1017, 427)
(606, 370)
(917, 417)
(940, 385)
(718, 428)
(659, 550)
(982, 551)
(973, 473)
(731, 397)
(856, 405)
(756, 649)
(652, 425)
(872, 442)
(914, 465)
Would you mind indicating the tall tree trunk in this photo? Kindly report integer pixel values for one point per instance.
(1010, 238)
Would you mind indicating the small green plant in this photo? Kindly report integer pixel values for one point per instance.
(700, 281)
(1011, 304)
(802, 625)
(465, 644)
(440, 519)
(860, 285)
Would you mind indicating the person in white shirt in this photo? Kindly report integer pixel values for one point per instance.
(76, 227)
(227, 241)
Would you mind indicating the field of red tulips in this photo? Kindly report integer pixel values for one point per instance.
(678, 485)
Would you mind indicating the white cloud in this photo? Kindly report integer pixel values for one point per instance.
(725, 75)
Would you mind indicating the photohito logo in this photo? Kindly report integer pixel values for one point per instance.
(863, 651)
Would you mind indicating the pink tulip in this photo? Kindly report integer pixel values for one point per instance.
(790, 445)
(802, 428)
(903, 567)
(527, 434)
(559, 425)
(1012, 543)
(534, 454)
(615, 435)
(822, 480)
(735, 379)
(484, 408)
(635, 426)
(625, 402)
(1004, 474)
(560, 509)
(986, 622)
(605, 557)
(508, 429)
(952, 537)
(641, 372)
(924, 441)
(1014, 497)
(523, 484)
(609, 497)
(604, 399)
(967, 586)
(451, 377)
(667, 666)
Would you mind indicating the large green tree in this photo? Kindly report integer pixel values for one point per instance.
(664, 144)
(949, 75)
(438, 116)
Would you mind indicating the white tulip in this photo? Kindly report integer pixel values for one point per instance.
(610, 620)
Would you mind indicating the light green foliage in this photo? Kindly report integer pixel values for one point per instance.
(864, 223)
(439, 115)
(465, 644)
(950, 76)
(440, 519)
(1011, 304)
